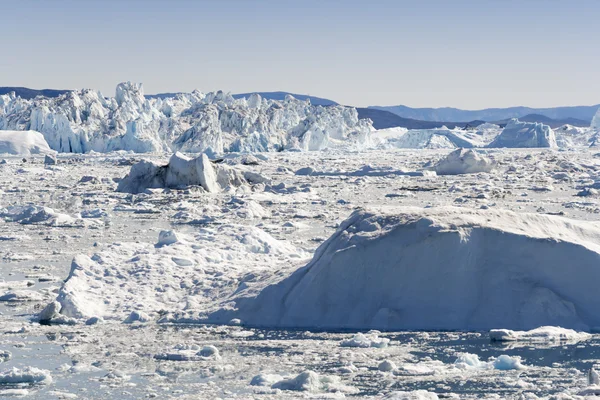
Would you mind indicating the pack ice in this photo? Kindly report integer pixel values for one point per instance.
(84, 120)
(439, 268)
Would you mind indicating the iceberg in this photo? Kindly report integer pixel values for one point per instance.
(25, 143)
(525, 134)
(440, 268)
(215, 123)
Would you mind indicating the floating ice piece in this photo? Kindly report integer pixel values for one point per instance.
(50, 312)
(468, 360)
(166, 238)
(5, 355)
(506, 363)
(32, 214)
(525, 134)
(368, 340)
(23, 143)
(306, 171)
(587, 192)
(14, 392)
(50, 159)
(428, 269)
(137, 316)
(592, 390)
(541, 334)
(29, 375)
(209, 352)
(463, 161)
(20, 296)
(266, 379)
(75, 296)
(95, 213)
(593, 377)
(414, 395)
(180, 172)
(503, 362)
(386, 366)
(309, 381)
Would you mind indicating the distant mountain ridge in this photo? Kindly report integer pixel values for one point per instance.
(26, 93)
(385, 119)
(581, 113)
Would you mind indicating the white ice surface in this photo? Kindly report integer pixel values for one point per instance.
(440, 268)
(23, 143)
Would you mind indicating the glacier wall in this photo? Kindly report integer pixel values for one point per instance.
(84, 120)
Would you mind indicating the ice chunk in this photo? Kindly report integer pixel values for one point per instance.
(593, 377)
(50, 159)
(180, 172)
(414, 395)
(541, 334)
(32, 214)
(525, 134)
(503, 362)
(506, 363)
(76, 298)
(166, 238)
(137, 316)
(5, 355)
(25, 375)
(386, 366)
(463, 161)
(362, 340)
(209, 352)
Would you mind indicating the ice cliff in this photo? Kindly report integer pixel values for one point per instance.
(84, 120)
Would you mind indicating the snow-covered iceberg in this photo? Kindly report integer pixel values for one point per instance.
(84, 120)
(23, 143)
(441, 138)
(463, 161)
(439, 268)
(525, 134)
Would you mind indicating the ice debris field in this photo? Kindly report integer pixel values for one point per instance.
(201, 246)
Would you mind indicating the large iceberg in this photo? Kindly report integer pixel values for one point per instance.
(23, 143)
(439, 268)
(84, 120)
(525, 134)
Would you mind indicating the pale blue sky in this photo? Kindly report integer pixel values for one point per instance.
(469, 54)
